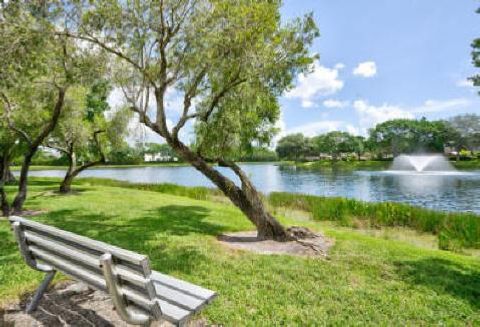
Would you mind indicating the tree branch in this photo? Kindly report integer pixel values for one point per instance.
(92, 39)
(216, 99)
(11, 125)
(187, 102)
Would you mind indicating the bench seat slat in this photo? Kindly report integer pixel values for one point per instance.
(182, 286)
(178, 298)
(171, 312)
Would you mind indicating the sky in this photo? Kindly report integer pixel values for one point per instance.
(383, 59)
(379, 60)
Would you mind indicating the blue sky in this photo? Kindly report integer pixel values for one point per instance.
(383, 59)
(379, 60)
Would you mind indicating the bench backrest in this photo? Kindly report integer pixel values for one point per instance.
(80, 257)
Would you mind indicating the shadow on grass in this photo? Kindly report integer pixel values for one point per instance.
(147, 234)
(444, 277)
(8, 247)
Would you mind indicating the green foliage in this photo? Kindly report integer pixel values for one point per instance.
(408, 135)
(259, 154)
(387, 139)
(463, 229)
(294, 147)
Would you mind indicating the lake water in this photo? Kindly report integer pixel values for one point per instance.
(453, 192)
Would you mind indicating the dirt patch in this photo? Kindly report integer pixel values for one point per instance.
(70, 304)
(32, 213)
(316, 246)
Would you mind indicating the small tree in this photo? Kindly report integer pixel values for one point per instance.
(85, 134)
(293, 147)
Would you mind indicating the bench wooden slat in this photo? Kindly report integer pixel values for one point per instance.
(85, 241)
(182, 286)
(84, 258)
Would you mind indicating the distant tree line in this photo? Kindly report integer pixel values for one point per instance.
(458, 136)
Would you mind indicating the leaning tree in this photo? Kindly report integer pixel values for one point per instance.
(228, 61)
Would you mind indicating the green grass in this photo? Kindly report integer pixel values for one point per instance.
(366, 280)
(455, 230)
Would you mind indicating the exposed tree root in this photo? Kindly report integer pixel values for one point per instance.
(307, 238)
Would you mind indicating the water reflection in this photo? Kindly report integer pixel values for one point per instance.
(459, 191)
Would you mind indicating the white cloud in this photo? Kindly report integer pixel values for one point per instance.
(430, 106)
(339, 66)
(371, 115)
(465, 83)
(315, 128)
(332, 103)
(366, 69)
(321, 81)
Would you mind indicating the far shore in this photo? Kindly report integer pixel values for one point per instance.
(354, 164)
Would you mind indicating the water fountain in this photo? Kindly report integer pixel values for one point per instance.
(422, 163)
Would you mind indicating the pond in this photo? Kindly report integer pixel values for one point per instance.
(459, 191)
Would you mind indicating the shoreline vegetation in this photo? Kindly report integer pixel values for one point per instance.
(321, 164)
(373, 275)
(455, 231)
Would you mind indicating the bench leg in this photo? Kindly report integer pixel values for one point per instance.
(39, 293)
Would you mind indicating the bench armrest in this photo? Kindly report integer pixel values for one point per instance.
(116, 296)
(23, 246)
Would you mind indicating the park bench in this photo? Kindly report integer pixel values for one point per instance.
(139, 295)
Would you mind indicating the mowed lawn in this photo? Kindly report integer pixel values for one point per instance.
(365, 281)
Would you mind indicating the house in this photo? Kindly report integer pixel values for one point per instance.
(158, 157)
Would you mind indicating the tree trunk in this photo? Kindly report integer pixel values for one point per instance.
(72, 172)
(21, 196)
(66, 185)
(9, 177)
(247, 199)
(5, 173)
(4, 206)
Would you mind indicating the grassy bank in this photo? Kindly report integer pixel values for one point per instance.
(366, 281)
(455, 230)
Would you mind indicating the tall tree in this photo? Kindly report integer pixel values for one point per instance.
(464, 133)
(293, 147)
(229, 60)
(37, 66)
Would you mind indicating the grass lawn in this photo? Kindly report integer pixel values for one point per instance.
(367, 280)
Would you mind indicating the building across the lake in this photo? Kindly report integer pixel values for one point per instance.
(158, 157)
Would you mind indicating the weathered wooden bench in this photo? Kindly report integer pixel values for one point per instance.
(139, 295)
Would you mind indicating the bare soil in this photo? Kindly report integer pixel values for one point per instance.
(70, 304)
(316, 246)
